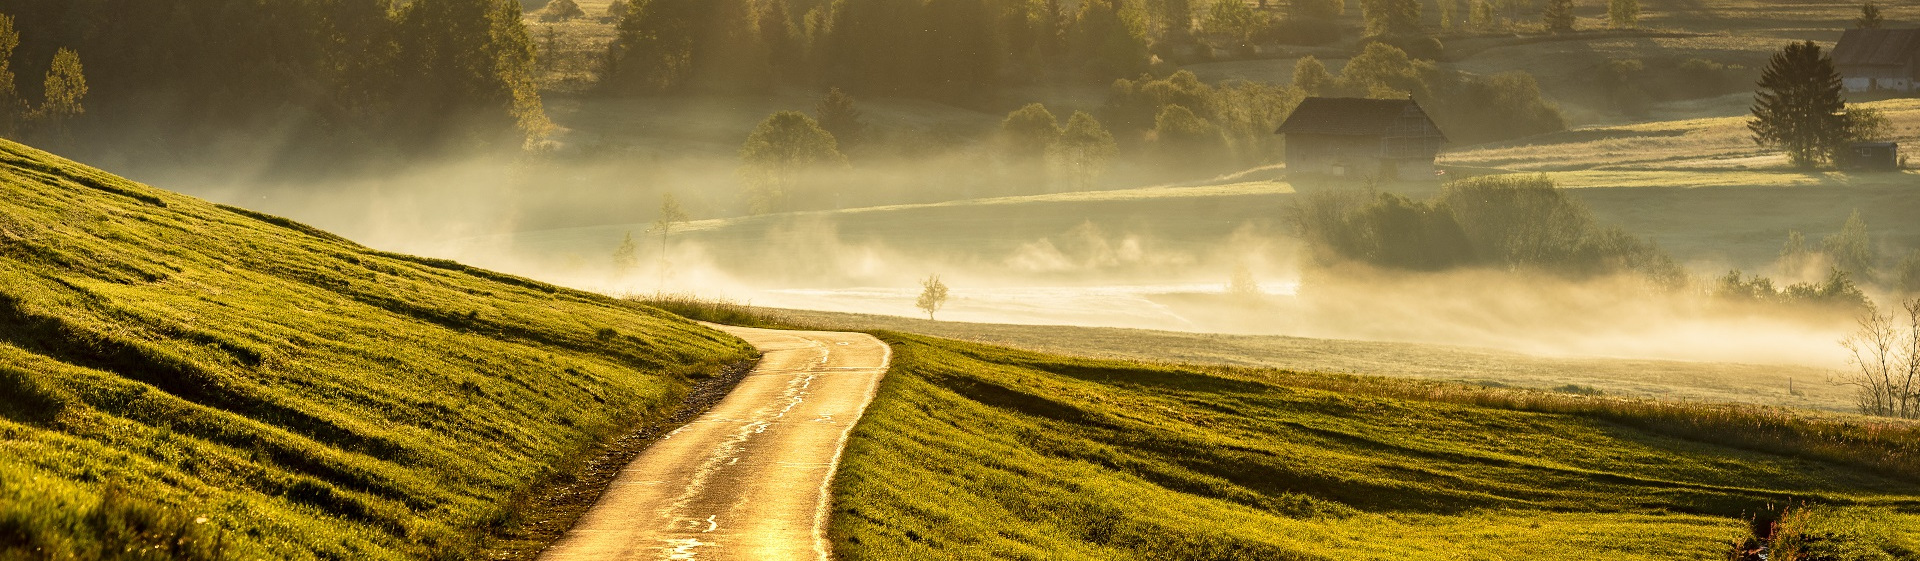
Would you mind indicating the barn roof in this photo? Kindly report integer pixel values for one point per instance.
(1877, 47)
(1348, 116)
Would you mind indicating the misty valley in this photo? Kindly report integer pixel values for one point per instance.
(959, 279)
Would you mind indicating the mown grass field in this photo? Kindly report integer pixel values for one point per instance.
(180, 380)
(978, 452)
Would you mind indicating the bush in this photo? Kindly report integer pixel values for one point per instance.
(1508, 222)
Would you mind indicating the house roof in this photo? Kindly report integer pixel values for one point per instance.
(1877, 47)
(1348, 116)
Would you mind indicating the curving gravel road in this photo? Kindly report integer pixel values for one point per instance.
(749, 479)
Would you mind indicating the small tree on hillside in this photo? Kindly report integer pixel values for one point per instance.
(617, 10)
(561, 10)
(780, 152)
(66, 86)
(1798, 108)
(839, 117)
(933, 296)
(1870, 17)
(1083, 150)
(1623, 14)
(1558, 16)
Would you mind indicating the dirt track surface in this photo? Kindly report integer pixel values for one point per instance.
(747, 480)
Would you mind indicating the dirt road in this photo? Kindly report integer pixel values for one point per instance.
(747, 480)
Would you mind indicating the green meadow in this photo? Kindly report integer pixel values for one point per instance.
(982, 452)
(180, 380)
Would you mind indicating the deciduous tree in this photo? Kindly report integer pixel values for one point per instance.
(561, 10)
(1233, 18)
(1311, 76)
(670, 215)
(1108, 41)
(1083, 151)
(779, 154)
(933, 296)
(1027, 132)
(1391, 17)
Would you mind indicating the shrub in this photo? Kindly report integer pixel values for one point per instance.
(1509, 222)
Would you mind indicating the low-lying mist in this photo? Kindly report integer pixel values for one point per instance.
(1089, 276)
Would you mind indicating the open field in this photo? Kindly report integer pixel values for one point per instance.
(1721, 148)
(210, 382)
(976, 452)
(1664, 379)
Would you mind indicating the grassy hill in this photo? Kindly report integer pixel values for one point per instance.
(978, 452)
(184, 380)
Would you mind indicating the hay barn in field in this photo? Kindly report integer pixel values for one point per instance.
(1879, 60)
(1342, 136)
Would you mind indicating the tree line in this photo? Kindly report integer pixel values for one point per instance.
(351, 77)
(957, 50)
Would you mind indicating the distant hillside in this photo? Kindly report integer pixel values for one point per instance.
(185, 380)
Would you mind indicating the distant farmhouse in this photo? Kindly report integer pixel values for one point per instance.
(1879, 59)
(1385, 138)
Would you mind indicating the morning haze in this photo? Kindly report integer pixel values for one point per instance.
(959, 279)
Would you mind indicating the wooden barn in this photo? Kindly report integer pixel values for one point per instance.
(1879, 60)
(1342, 136)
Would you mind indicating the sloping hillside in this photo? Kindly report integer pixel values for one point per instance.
(182, 380)
(978, 452)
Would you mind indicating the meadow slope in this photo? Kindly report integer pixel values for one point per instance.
(978, 452)
(184, 380)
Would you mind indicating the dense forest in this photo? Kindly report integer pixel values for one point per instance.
(372, 81)
(354, 77)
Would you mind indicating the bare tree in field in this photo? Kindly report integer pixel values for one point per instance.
(933, 295)
(1886, 356)
(670, 214)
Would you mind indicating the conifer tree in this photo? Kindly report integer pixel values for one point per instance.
(1798, 108)
(1870, 17)
(66, 86)
(839, 117)
(12, 108)
(1623, 14)
(1558, 16)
